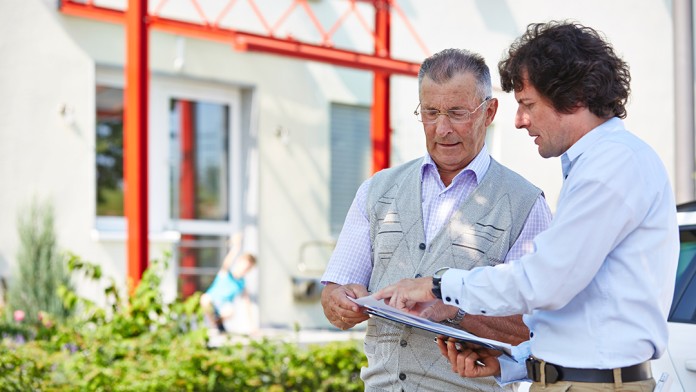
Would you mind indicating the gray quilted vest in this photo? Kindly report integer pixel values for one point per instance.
(480, 232)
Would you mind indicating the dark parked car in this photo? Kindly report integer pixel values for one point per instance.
(679, 362)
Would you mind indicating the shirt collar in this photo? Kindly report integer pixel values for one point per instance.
(478, 166)
(573, 153)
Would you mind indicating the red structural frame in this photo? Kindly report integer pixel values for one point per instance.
(135, 139)
(187, 189)
(138, 21)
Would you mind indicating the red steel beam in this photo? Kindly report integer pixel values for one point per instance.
(345, 58)
(92, 12)
(135, 139)
(381, 127)
(244, 41)
(187, 191)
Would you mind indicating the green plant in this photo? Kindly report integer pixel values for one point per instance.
(40, 267)
(141, 343)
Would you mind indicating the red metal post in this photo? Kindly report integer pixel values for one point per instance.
(187, 191)
(381, 127)
(135, 138)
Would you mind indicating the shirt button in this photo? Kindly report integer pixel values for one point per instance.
(403, 343)
(448, 299)
(419, 276)
(402, 376)
(483, 312)
(456, 301)
(422, 246)
(531, 334)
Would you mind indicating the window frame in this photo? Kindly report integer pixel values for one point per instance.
(163, 88)
(109, 226)
(162, 93)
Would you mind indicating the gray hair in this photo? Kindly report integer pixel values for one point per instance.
(442, 66)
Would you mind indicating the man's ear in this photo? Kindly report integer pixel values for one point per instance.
(491, 110)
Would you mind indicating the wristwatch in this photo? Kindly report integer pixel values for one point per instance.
(458, 318)
(437, 278)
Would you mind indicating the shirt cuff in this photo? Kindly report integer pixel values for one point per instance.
(451, 287)
(514, 370)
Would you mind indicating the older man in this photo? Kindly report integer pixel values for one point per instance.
(454, 207)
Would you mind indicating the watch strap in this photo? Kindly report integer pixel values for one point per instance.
(437, 282)
(457, 318)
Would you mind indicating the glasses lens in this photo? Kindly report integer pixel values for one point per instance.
(429, 116)
(458, 116)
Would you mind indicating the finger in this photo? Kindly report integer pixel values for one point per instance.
(466, 362)
(427, 313)
(401, 302)
(340, 300)
(359, 290)
(442, 346)
(384, 293)
(392, 301)
(473, 367)
(355, 319)
(452, 353)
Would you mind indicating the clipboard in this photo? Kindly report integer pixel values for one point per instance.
(377, 308)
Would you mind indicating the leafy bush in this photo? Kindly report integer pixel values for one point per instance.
(140, 343)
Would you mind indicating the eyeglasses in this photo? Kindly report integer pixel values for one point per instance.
(456, 116)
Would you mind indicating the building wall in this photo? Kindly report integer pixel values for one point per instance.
(49, 61)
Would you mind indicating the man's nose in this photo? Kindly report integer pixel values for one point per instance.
(521, 120)
(443, 125)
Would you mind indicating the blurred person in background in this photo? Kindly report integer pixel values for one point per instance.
(228, 285)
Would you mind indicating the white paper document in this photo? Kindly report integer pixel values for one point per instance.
(380, 309)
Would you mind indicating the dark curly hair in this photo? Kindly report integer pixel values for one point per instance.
(571, 65)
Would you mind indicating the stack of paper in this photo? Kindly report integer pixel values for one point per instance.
(380, 309)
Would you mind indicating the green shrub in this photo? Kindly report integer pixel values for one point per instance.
(142, 344)
(40, 267)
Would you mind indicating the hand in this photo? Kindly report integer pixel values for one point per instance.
(339, 310)
(236, 240)
(407, 293)
(437, 311)
(469, 360)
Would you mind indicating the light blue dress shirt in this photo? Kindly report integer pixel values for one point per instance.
(597, 289)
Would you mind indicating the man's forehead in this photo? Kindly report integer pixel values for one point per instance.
(526, 92)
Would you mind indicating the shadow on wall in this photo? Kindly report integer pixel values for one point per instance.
(504, 20)
(312, 261)
(4, 273)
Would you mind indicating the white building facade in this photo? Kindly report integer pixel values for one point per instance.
(280, 144)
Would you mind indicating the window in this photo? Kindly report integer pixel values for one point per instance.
(200, 160)
(200, 188)
(197, 160)
(200, 177)
(109, 151)
(199, 261)
(351, 153)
